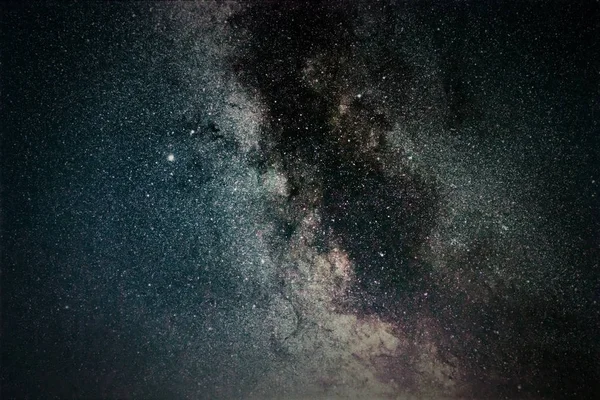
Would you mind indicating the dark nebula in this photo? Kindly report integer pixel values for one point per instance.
(379, 219)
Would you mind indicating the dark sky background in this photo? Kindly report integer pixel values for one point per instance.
(173, 173)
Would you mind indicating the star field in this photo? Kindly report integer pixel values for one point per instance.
(334, 200)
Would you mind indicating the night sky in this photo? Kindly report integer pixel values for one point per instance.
(300, 200)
